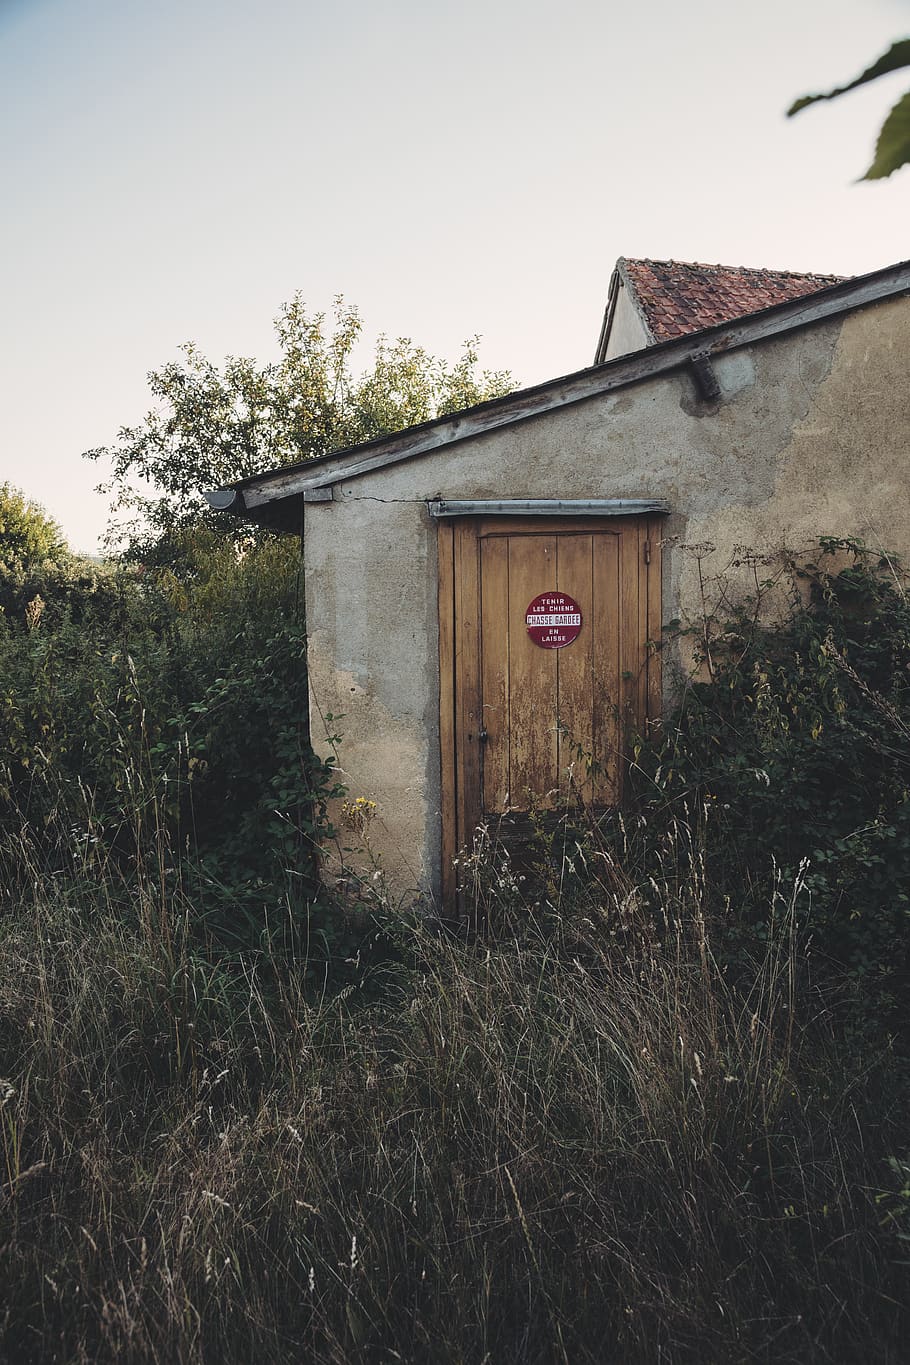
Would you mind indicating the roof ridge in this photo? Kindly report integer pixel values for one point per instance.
(719, 265)
(674, 298)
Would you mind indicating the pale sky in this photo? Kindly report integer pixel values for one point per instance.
(174, 170)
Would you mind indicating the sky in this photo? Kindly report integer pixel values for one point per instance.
(174, 170)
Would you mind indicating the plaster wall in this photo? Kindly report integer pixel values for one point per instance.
(627, 332)
(808, 439)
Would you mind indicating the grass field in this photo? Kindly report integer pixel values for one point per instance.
(580, 1143)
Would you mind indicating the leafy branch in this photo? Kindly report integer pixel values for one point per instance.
(893, 147)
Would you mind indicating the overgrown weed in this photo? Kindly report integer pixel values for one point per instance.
(567, 1144)
(626, 1118)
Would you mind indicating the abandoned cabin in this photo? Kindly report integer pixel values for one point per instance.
(484, 592)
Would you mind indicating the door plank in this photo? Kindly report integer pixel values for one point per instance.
(467, 683)
(641, 634)
(575, 670)
(534, 754)
(446, 593)
(494, 633)
(607, 635)
(655, 657)
(629, 577)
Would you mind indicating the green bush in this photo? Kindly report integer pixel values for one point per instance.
(795, 752)
(162, 715)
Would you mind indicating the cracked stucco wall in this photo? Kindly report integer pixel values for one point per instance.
(628, 331)
(808, 439)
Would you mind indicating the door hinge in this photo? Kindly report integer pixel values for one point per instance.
(647, 552)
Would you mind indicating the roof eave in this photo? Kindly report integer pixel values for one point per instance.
(259, 493)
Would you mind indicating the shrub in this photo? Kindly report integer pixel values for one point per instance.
(164, 718)
(795, 752)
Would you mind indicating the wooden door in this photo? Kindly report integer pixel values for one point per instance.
(524, 727)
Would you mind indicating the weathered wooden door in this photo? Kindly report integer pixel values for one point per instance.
(528, 722)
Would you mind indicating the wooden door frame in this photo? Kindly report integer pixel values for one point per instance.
(458, 546)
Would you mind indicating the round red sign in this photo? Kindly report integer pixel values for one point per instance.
(553, 620)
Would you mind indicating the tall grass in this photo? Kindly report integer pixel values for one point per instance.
(655, 1111)
(579, 1143)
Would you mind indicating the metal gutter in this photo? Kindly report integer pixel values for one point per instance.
(226, 500)
(546, 507)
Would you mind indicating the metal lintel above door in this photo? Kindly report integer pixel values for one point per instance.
(547, 507)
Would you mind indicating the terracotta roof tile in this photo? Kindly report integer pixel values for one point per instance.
(678, 297)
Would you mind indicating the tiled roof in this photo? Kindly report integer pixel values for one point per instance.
(678, 297)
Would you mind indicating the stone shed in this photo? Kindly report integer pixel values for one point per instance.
(485, 592)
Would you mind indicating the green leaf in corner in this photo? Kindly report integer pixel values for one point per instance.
(897, 56)
(893, 147)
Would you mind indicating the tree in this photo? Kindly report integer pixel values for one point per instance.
(213, 426)
(29, 539)
(41, 579)
(893, 147)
